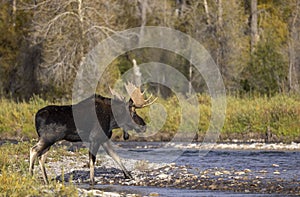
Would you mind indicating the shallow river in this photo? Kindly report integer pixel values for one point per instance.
(265, 165)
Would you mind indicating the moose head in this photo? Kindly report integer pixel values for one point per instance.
(125, 112)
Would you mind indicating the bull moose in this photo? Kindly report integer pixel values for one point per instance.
(55, 123)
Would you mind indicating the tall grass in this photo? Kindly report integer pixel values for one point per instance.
(15, 179)
(17, 118)
(279, 114)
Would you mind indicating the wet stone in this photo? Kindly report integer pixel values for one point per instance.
(154, 194)
(171, 175)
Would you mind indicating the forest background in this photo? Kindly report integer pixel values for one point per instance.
(255, 44)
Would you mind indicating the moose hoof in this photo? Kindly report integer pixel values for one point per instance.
(129, 176)
(125, 135)
(92, 183)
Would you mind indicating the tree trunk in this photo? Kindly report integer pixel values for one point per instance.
(220, 13)
(254, 31)
(14, 12)
(206, 11)
(82, 36)
(190, 79)
(143, 4)
(219, 27)
(292, 77)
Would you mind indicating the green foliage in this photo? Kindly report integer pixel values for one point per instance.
(15, 179)
(17, 118)
(254, 114)
(41, 54)
(13, 30)
(8, 43)
(267, 71)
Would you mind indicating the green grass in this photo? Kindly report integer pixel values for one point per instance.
(254, 114)
(15, 179)
(281, 114)
(17, 118)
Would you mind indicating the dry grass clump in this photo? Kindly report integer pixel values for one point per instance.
(15, 179)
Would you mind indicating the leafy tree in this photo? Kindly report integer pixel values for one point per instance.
(43, 42)
(13, 30)
(267, 71)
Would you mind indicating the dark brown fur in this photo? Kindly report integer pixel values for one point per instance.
(55, 123)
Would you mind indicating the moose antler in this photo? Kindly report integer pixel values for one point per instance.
(138, 97)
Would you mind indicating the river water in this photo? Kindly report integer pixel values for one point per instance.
(265, 165)
(286, 163)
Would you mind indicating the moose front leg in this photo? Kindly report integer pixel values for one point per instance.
(94, 146)
(109, 150)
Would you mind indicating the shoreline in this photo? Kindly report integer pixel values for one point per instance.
(243, 146)
(67, 165)
(260, 146)
(232, 145)
(167, 175)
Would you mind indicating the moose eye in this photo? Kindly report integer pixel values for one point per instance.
(133, 114)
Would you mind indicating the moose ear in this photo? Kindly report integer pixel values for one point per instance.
(116, 95)
(131, 103)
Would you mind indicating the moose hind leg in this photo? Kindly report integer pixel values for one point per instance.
(35, 152)
(39, 150)
(109, 150)
(42, 160)
(33, 155)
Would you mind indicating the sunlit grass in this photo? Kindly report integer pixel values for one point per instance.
(15, 179)
(279, 113)
(17, 118)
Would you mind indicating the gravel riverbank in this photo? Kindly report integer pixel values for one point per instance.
(170, 175)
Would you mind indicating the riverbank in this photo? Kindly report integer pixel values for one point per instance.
(171, 175)
(69, 172)
(240, 146)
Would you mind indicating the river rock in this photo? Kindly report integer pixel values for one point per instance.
(263, 171)
(154, 194)
(276, 173)
(218, 173)
(213, 187)
(226, 172)
(163, 176)
(239, 173)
